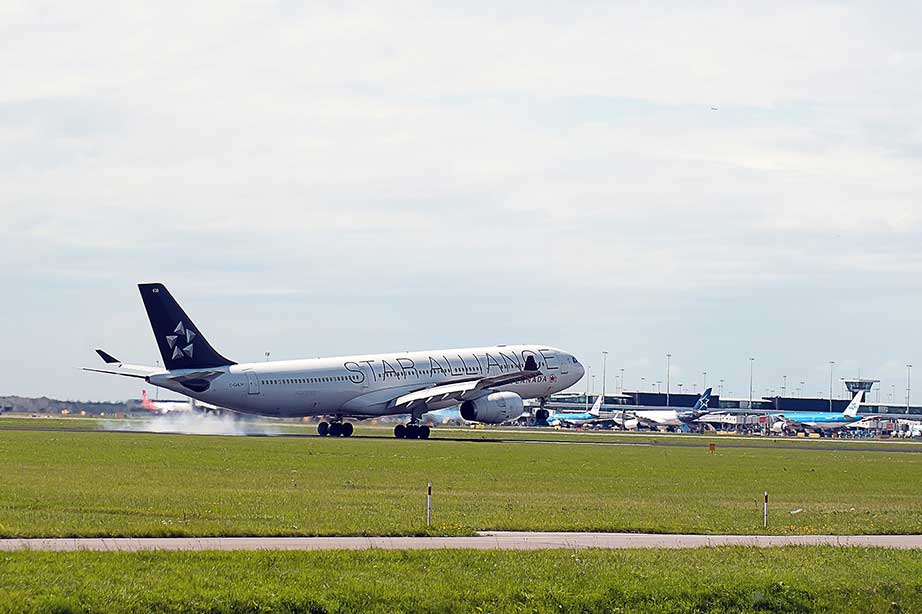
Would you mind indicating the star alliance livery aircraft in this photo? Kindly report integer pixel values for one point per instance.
(487, 383)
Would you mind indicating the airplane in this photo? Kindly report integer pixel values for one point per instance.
(170, 407)
(487, 383)
(673, 417)
(579, 419)
(164, 407)
(819, 421)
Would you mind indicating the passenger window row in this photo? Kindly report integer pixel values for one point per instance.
(341, 378)
(302, 380)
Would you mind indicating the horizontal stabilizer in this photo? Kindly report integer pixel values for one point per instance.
(116, 367)
(109, 359)
(127, 371)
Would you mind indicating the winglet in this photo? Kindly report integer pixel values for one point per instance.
(109, 359)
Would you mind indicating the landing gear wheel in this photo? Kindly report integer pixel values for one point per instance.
(424, 432)
(336, 429)
(400, 431)
(323, 429)
(347, 429)
(412, 431)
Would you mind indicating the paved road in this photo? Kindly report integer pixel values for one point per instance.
(483, 541)
(659, 440)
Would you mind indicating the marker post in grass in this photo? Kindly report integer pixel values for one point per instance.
(429, 505)
(765, 511)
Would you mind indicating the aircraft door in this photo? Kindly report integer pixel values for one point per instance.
(252, 383)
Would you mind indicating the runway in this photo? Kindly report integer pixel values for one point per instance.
(482, 541)
(656, 440)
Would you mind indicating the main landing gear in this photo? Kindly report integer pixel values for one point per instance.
(335, 429)
(411, 431)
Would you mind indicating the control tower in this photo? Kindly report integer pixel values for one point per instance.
(856, 385)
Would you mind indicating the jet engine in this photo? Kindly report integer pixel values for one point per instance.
(494, 408)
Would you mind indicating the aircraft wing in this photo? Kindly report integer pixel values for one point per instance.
(450, 394)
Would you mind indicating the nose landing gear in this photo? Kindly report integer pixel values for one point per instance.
(337, 428)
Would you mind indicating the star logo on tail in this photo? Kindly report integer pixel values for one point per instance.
(181, 341)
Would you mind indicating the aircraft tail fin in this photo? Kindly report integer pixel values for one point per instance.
(852, 410)
(704, 400)
(145, 400)
(597, 406)
(182, 345)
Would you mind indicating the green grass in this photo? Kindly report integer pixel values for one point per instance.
(720, 580)
(51, 423)
(108, 484)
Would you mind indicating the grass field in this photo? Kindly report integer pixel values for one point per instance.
(724, 580)
(101, 484)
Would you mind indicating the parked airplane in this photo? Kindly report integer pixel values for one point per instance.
(673, 417)
(487, 383)
(170, 407)
(819, 421)
(165, 407)
(579, 419)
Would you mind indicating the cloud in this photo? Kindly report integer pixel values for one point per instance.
(450, 160)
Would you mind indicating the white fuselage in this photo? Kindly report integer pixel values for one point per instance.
(365, 386)
(660, 417)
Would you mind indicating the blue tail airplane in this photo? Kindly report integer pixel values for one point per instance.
(819, 421)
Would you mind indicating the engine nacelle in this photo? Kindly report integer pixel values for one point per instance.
(494, 408)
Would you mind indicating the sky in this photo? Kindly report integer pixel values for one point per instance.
(716, 181)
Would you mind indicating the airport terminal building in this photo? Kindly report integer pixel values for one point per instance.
(641, 400)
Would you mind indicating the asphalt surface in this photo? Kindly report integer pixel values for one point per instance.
(482, 541)
(658, 440)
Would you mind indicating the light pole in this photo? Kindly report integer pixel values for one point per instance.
(832, 366)
(751, 361)
(643, 383)
(803, 386)
(721, 393)
(908, 385)
(659, 383)
(668, 358)
(604, 371)
(621, 388)
(784, 384)
(704, 384)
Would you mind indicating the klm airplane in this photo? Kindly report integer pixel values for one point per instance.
(819, 421)
(487, 384)
(574, 419)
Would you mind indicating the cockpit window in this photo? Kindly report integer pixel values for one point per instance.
(573, 358)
